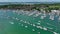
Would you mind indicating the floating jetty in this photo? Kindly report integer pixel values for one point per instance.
(30, 19)
(29, 22)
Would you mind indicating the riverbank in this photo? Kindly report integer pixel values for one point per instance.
(38, 7)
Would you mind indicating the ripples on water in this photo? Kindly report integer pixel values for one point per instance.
(41, 20)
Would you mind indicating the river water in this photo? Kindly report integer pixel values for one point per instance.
(29, 22)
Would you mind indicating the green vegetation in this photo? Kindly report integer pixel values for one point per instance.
(47, 7)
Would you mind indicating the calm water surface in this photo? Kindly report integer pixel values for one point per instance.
(25, 22)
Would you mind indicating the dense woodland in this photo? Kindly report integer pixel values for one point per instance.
(32, 7)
